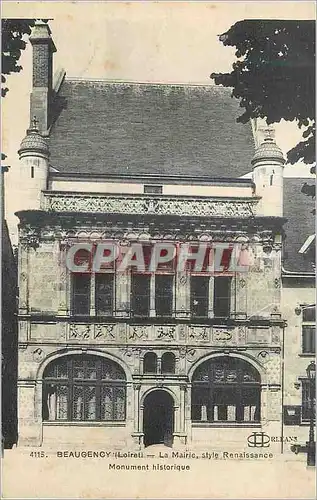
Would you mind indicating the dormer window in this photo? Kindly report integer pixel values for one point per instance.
(153, 189)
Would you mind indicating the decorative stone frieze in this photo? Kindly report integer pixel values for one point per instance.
(79, 332)
(199, 334)
(137, 333)
(166, 333)
(105, 332)
(69, 202)
(221, 335)
(125, 333)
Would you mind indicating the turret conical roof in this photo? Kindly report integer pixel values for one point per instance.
(268, 150)
(34, 141)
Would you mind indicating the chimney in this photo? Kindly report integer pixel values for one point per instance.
(41, 96)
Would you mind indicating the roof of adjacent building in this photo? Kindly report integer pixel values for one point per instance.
(300, 225)
(142, 128)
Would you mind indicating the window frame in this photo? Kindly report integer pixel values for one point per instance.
(209, 390)
(71, 382)
(227, 297)
(171, 362)
(134, 295)
(309, 326)
(112, 293)
(204, 296)
(74, 294)
(154, 361)
(92, 309)
(161, 295)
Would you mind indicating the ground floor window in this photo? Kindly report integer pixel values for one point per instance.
(226, 390)
(84, 388)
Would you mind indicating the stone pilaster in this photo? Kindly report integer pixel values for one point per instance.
(182, 295)
(241, 295)
(29, 422)
(211, 297)
(23, 278)
(63, 305)
(122, 294)
(152, 296)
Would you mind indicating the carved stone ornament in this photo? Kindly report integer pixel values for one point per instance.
(183, 279)
(165, 333)
(182, 332)
(241, 334)
(105, 332)
(220, 335)
(199, 333)
(38, 354)
(146, 205)
(264, 356)
(130, 351)
(79, 332)
(190, 354)
(182, 351)
(242, 282)
(277, 283)
(29, 238)
(138, 333)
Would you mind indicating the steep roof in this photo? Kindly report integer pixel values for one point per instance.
(300, 225)
(130, 128)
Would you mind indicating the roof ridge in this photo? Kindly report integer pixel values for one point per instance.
(136, 82)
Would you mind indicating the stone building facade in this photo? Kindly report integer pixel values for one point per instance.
(138, 358)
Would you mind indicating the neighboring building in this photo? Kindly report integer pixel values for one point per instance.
(9, 336)
(298, 305)
(140, 358)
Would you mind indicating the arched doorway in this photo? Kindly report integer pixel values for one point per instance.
(158, 418)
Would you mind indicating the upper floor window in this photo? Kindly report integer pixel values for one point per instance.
(163, 294)
(84, 388)
(82, 287)
(140, 294)
(81, 294)
(199, 296)
(222, 286)
(309, 330)
(104, 294)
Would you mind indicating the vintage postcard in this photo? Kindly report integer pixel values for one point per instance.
(158, 249)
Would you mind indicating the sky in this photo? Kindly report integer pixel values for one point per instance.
(173, 42)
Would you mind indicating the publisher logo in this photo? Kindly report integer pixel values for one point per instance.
(258, 440)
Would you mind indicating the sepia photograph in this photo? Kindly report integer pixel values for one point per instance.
(158, 250)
